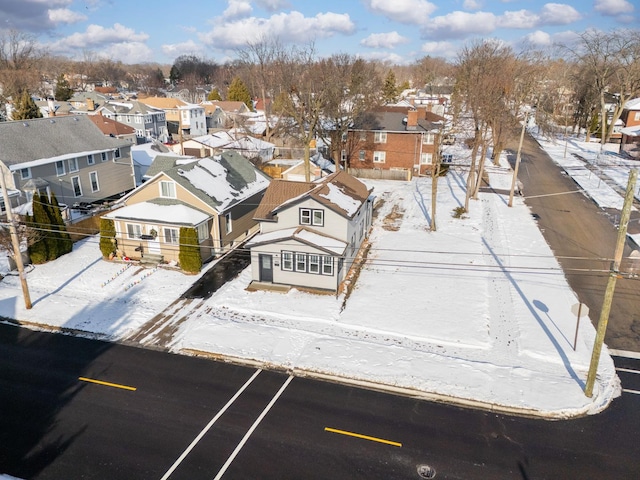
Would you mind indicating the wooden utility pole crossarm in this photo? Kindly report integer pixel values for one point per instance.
(611, 284)
(15, 240)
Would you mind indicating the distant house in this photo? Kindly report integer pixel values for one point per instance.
(630, 141)
(186, 119)
(310, 232)
(224, 114)
(217, 196)
(114, 129)
(217, 142)
(67, 156)
(150, 123)
(145, 154)
(393, 138)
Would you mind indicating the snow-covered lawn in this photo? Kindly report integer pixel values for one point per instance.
(477, 311)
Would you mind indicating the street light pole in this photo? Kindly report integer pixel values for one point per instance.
(515, 170)
(15, 241)
(611, 284)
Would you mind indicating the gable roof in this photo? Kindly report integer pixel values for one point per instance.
(109, 126)
(307, 236)
(221, 181)
(392, 120)
(163, 102)
(633, 104)
(229, 106)
(132, 108)
(340, 192)
(160, 210)
(50, 138)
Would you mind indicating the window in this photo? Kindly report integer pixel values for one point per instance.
(310, 216)
(305, 216)
(133, 230)
(171, 236)
(287, 261)
(426, 159)
(227, 223)
(379, 157)
(168, 189)
(363, 136)
(60, 168)
(93, 179)
(380, 137)
(636, 116)
(327, 265)
(73, 164)
(301, 262)
(314, 263)
(428, 138)
(203, 231)
(25, 173)
(343, 156)
(117, 153)
(318, 218)
(361, 155)
(103, 156)
(77, 188)
(90, 159)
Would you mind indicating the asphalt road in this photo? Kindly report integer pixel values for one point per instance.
(579, 232)
(158, 415)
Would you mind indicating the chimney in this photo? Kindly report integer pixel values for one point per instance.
(412, 119)
(52, 107)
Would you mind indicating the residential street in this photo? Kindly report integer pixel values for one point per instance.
(578, 231)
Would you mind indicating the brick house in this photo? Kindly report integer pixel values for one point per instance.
(393, 138)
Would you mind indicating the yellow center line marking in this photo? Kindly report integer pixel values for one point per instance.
(108, 384)
(365, 437)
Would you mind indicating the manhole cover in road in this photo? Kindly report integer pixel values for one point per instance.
(426, 471)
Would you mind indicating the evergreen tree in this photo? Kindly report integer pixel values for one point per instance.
(238, 92)
(390, 89)
(189, 257)
(25, 108)
(47, 224)
(39, 250)
(63, 90)
(214, 95)
(65, 245)
(108, 242)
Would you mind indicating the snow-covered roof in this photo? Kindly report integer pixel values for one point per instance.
(302, 234)
(176, 213)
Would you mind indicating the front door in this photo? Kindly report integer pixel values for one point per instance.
(266, 267)
(153, 242)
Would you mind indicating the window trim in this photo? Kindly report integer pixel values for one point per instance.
(136, 229)
(428, 138)
(287, 258)
(104, 157)
(73, 165)
(60, 163)
(316, 262)
(228, 225)
(23, 171)
(90, 159)
(174, 235)
(172, 193)
(91, 182)
(327, 261)
(75, 182)
(380, 137)
(426, 158)
(300, 259)
(203, 228)
(379, 156)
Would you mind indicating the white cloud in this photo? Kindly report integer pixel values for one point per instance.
(519, 19)
(439, 49)
(613, 7)
(472, 5)
(237, 9)
(185, 48)
(404, 11)
(559, 14)
(119, 42)
(384, 40)
(64, 15)
(273, 5)
(387, 57)
(538, 39)
(289, 27)
(461, 24)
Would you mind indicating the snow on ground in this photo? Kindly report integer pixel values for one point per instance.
(478, 311)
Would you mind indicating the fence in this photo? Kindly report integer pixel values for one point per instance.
(379, 174)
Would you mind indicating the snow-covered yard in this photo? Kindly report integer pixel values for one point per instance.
(478, 311)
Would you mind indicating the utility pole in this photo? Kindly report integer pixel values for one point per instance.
(15, 241)
(611, 284)
(515, 170)
(435, 175)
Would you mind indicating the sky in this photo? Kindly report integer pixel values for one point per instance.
(398, 31)
(509, 343)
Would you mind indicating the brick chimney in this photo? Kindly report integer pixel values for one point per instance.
(412, 119)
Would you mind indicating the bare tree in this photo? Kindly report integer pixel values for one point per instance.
(19, 57)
